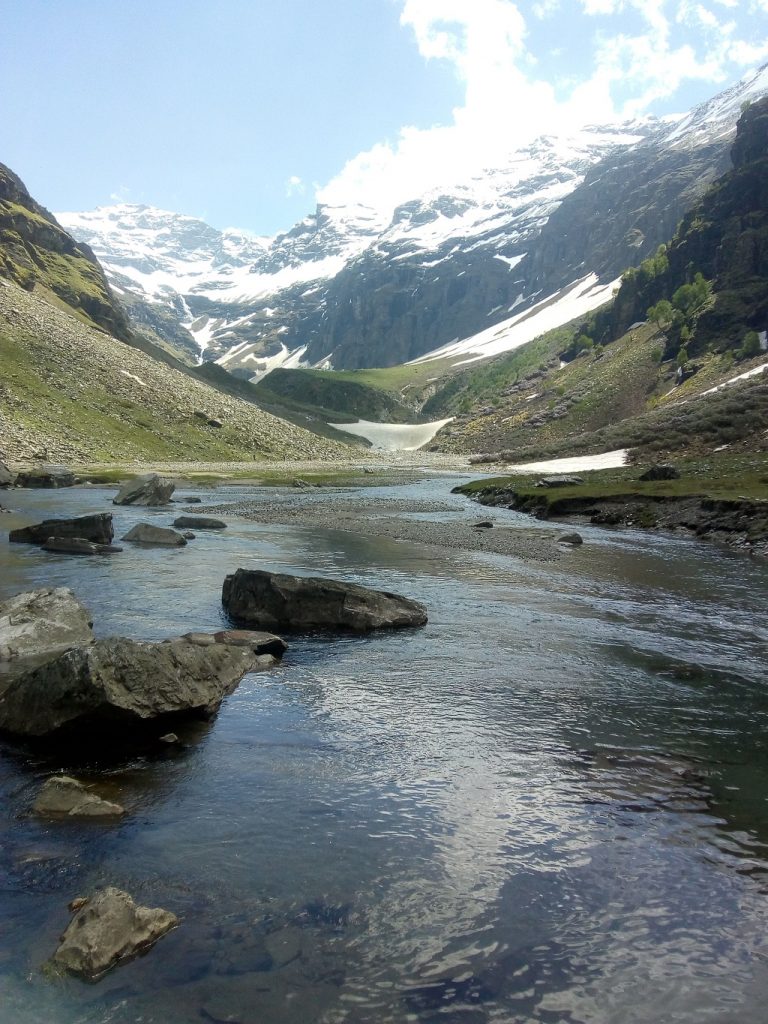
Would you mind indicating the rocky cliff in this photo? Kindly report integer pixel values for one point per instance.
(37, 253)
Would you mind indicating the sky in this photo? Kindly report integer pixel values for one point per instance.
(246, 113)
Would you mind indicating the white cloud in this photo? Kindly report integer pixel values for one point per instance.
(294, 187)
(642, 52)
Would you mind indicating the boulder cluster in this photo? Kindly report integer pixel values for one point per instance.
(63, 687)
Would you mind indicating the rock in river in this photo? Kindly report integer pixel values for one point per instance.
(199, 523)
(108, 929)
(62, 796)
(279, 601)
(46, 476)
(95, 528)
(78, 546)
(145, 533)
(118, 683)
(42, 621)
(149, 489)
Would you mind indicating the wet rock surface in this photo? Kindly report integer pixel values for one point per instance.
(62, 796)
(78, 546)
(96, 528)
(108, 929)
(199, 523)
(150, 489)
(281, 601)
(119, 683)
(42, 621)
(146, 533)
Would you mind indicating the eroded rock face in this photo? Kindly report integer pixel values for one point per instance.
(279, 601)
(145, 533)
(6, 477)
(41, 621)
(65, 797)
(119, 683)
(108, 929)
(150, 489)
(96, 528)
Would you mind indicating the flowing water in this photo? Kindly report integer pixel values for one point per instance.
(551, 804)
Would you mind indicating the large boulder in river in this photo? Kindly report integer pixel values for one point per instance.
(149, 489)
(41, 622)
(117, 683)
(274, 600)
(146, 533)
(199, 523)
(108, 929)
(96, 528)
(45, 476)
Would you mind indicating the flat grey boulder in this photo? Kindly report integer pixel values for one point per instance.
(149, 489)
(559, 481)
(199, 523)
(78, 546)
(145, 533)
(118, 683)
(64, 797)
(6, 476)
(259, 642)
(41, 622)
(574, 539)
(45, 476)
(273, 600)
(108, 929)
(96, 528)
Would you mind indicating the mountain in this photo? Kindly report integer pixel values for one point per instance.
(38, 254)
(347, 288)
(678, 362)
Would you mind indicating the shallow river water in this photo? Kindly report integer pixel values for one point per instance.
(550, 804)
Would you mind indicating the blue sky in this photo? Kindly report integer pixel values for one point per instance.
(244, 113)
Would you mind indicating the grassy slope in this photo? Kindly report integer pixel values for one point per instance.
(73, 391)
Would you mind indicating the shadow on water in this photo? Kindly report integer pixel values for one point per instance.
(547, 805)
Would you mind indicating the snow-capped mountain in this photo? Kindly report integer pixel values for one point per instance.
(349, 287)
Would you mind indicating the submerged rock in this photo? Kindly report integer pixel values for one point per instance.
(62, 796)
(145, 533)
(118, 683)
(108, 929)
(279, 601)
(78, 546)
(95, 528)
(46, 476)
(149, 489)
(199, 523)
(42, 621)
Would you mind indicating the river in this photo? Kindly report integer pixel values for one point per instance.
(550, 804)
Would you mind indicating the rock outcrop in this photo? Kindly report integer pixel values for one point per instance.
(6, 476)
(96, 528)
(146, 533)
(271, 600)
(42, 621)
(149, 489)
(108, 929)
(256, 641)
(119, 683)
(64, 797)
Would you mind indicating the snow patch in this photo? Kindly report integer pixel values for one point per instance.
(576, 464)
(404, 437)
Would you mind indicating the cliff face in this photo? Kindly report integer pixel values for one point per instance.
(36, 251)
(724, 238)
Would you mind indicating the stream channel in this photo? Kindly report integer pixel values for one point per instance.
(550, 804)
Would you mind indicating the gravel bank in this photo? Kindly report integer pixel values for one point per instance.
(382, 517)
